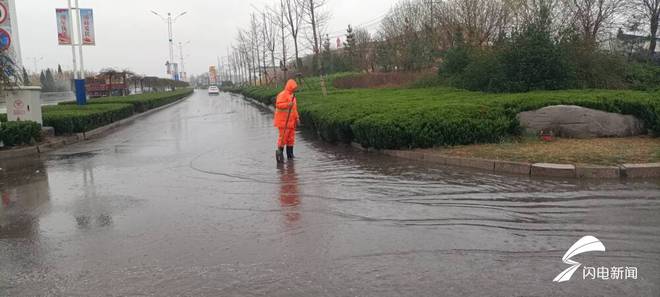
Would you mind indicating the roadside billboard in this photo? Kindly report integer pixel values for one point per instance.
(64, 33)
(87, 19)
(213, 75)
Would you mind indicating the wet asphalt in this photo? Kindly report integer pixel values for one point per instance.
(189, 202)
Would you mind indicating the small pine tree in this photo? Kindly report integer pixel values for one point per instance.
(50, 81)
(26, 78)
(350, 46)
(42, 80)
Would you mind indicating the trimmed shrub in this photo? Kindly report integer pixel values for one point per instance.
(20, 133)
(429, 117)
(67, 119)
(141, 102)
(3, 117)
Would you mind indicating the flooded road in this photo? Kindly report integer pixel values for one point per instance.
(189, 202)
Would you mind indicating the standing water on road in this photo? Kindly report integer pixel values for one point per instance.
(189, 202)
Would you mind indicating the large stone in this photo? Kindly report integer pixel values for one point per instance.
(579, 122)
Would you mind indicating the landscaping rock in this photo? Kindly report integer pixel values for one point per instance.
(641, 170)
(47, 132)
(553, 170)
(579, 122)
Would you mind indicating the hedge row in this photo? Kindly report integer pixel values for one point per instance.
(141, 102)
(68, 119)
(429, 117)
(265, 95)
(19, 133)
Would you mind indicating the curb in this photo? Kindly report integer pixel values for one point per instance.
(533, 170)
(78, 137)
(641, 170)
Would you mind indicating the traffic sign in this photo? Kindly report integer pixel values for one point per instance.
(5, 39)
(4, 12)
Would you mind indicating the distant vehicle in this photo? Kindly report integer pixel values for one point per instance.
(213, 90)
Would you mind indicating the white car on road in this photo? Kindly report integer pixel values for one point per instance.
(213, 90)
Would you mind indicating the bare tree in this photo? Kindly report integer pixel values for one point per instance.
(270, 37)
(255, 40)
(315, 19)
(592, 16)
(650, 9)
(364, 49)
(282, 23)
(479, 21)
(293, 15)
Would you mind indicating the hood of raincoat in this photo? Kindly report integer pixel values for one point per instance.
(291, 86)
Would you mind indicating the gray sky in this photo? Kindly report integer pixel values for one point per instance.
(129, 36)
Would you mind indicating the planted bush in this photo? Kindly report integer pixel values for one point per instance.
(67, 119)
(141, 102)
(429, 117)
(20, 133)
(3, 117)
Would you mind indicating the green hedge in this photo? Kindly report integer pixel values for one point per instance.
(67, 119)
(265, 95)
(141, 102)
(19, 133)
(429, 117)
(3, 117)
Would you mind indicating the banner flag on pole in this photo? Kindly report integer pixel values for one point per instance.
(64, 36)
(87, 19)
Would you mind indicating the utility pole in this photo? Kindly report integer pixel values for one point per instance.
(170, 24)
(79, 77)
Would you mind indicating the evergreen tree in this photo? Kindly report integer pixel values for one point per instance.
(59, 70)
(350, 46)
(26, 78)
(42, 80)
(48, 84)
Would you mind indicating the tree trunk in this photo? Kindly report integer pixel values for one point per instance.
(312, 14)
(654, 35)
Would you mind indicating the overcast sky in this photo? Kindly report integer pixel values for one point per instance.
(129, 36)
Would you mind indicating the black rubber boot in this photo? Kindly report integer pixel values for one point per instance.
(279, 155)
(289, 153)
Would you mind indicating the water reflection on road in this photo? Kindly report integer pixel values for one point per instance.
(189, 202)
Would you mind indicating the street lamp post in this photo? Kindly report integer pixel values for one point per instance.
(36, 61)
(170, 22)
(79, 78)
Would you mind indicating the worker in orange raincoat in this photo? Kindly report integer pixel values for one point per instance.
(286, 120)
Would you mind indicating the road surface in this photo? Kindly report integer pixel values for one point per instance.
(189, 202)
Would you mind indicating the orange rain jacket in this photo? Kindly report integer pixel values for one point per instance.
(282, 106)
